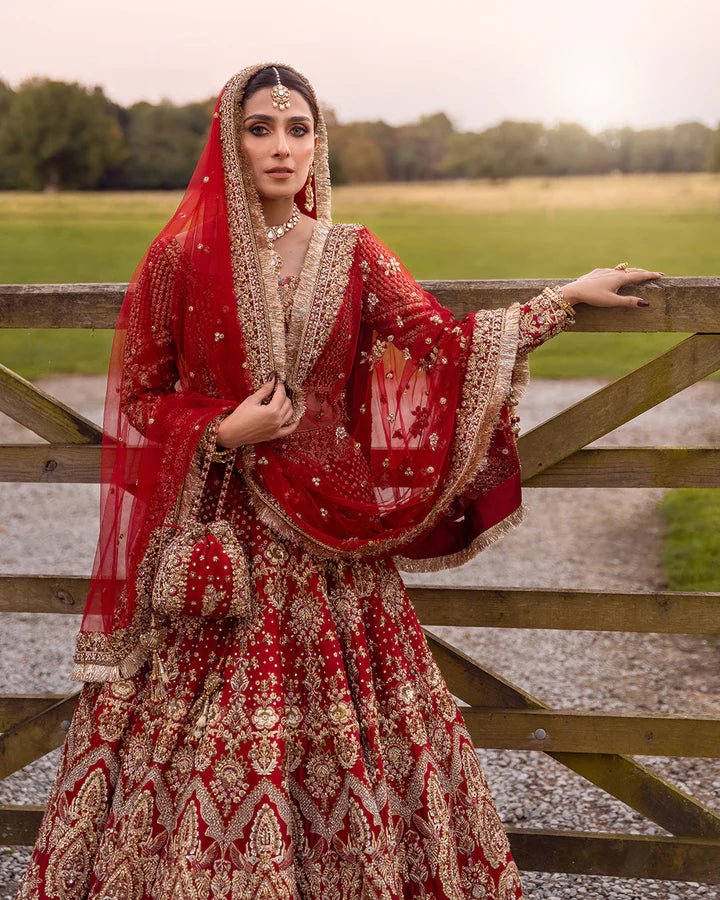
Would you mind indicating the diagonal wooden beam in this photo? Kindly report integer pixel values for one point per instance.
(611, 406)
(32, 738)
(621, 776)
(42, 413)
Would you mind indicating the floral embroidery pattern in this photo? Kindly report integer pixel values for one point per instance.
(334, 761)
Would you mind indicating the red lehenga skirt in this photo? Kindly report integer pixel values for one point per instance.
(310, 750)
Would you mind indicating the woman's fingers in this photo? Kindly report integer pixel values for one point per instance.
(641, 275)
(279, 397)
(628, 300)
(286, 410)
(262, 394)
(281, 406)
(289, 428)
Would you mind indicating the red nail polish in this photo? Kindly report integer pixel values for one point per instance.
(643, 303)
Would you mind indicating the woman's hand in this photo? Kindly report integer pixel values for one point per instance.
(254, 420)
(598, 288)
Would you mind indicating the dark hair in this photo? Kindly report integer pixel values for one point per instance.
(267, 78)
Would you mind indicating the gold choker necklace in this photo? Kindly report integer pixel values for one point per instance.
(276, 231)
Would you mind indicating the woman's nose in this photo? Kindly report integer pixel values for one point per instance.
(282, 148)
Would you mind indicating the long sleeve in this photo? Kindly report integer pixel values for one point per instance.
(151, 387)
(431, 403)
(541, 317)
(406, 309)
(150, 369)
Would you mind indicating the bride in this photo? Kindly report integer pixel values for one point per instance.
(273, 724)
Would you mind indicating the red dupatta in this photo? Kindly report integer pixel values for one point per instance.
(406, 444)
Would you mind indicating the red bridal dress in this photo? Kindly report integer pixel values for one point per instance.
(311, 748)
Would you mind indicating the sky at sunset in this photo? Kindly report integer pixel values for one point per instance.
(601, 64)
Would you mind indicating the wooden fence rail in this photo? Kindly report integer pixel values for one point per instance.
(598, 745)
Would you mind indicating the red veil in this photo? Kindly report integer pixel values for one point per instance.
(406, 444)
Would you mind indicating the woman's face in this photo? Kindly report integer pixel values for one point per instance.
(278, 138)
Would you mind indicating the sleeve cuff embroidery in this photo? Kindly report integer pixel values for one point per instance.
(542, 317)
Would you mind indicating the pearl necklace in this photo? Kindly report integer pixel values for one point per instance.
(276, 231)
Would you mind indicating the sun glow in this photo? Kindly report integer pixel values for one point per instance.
(599, 98)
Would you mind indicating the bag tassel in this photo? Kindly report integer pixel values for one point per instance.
(212, 686)
(154, 640)
(201, 723)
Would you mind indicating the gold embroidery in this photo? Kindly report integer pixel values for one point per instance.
(255, 279)
(390, 266)
(492, 371)
(296, 780)
(317, 305)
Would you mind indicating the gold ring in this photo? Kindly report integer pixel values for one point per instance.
(621, 265)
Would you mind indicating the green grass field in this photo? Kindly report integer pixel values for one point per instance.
(525, 228)
(692, 539)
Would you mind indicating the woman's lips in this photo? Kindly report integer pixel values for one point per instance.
(280, 175)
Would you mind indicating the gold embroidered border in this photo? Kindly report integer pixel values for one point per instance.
(480, 542)
(318, 302)
(486, 387)
(244, 251)
(255, 279)
(108, 657)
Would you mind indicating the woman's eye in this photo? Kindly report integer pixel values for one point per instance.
(296, 130)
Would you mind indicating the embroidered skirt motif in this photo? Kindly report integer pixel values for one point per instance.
(310, 750)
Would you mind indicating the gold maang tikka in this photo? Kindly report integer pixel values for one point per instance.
(280, 94)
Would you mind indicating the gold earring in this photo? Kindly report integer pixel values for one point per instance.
(309, 195)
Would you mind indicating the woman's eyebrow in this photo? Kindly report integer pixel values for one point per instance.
(266, 118)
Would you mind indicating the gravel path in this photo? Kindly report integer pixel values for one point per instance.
(572, 538)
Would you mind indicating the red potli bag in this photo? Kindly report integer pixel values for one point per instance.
(204, 570)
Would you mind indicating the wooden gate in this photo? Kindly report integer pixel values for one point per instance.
(597, 745)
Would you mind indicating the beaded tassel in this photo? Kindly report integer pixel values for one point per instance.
(153, 640)
(201, 723)
(213, 684)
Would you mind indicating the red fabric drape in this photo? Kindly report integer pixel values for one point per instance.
(404, 447)
(418, 455)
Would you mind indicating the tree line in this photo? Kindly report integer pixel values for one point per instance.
(63, 135)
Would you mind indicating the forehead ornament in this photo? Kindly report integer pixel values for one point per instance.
(280, 94)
